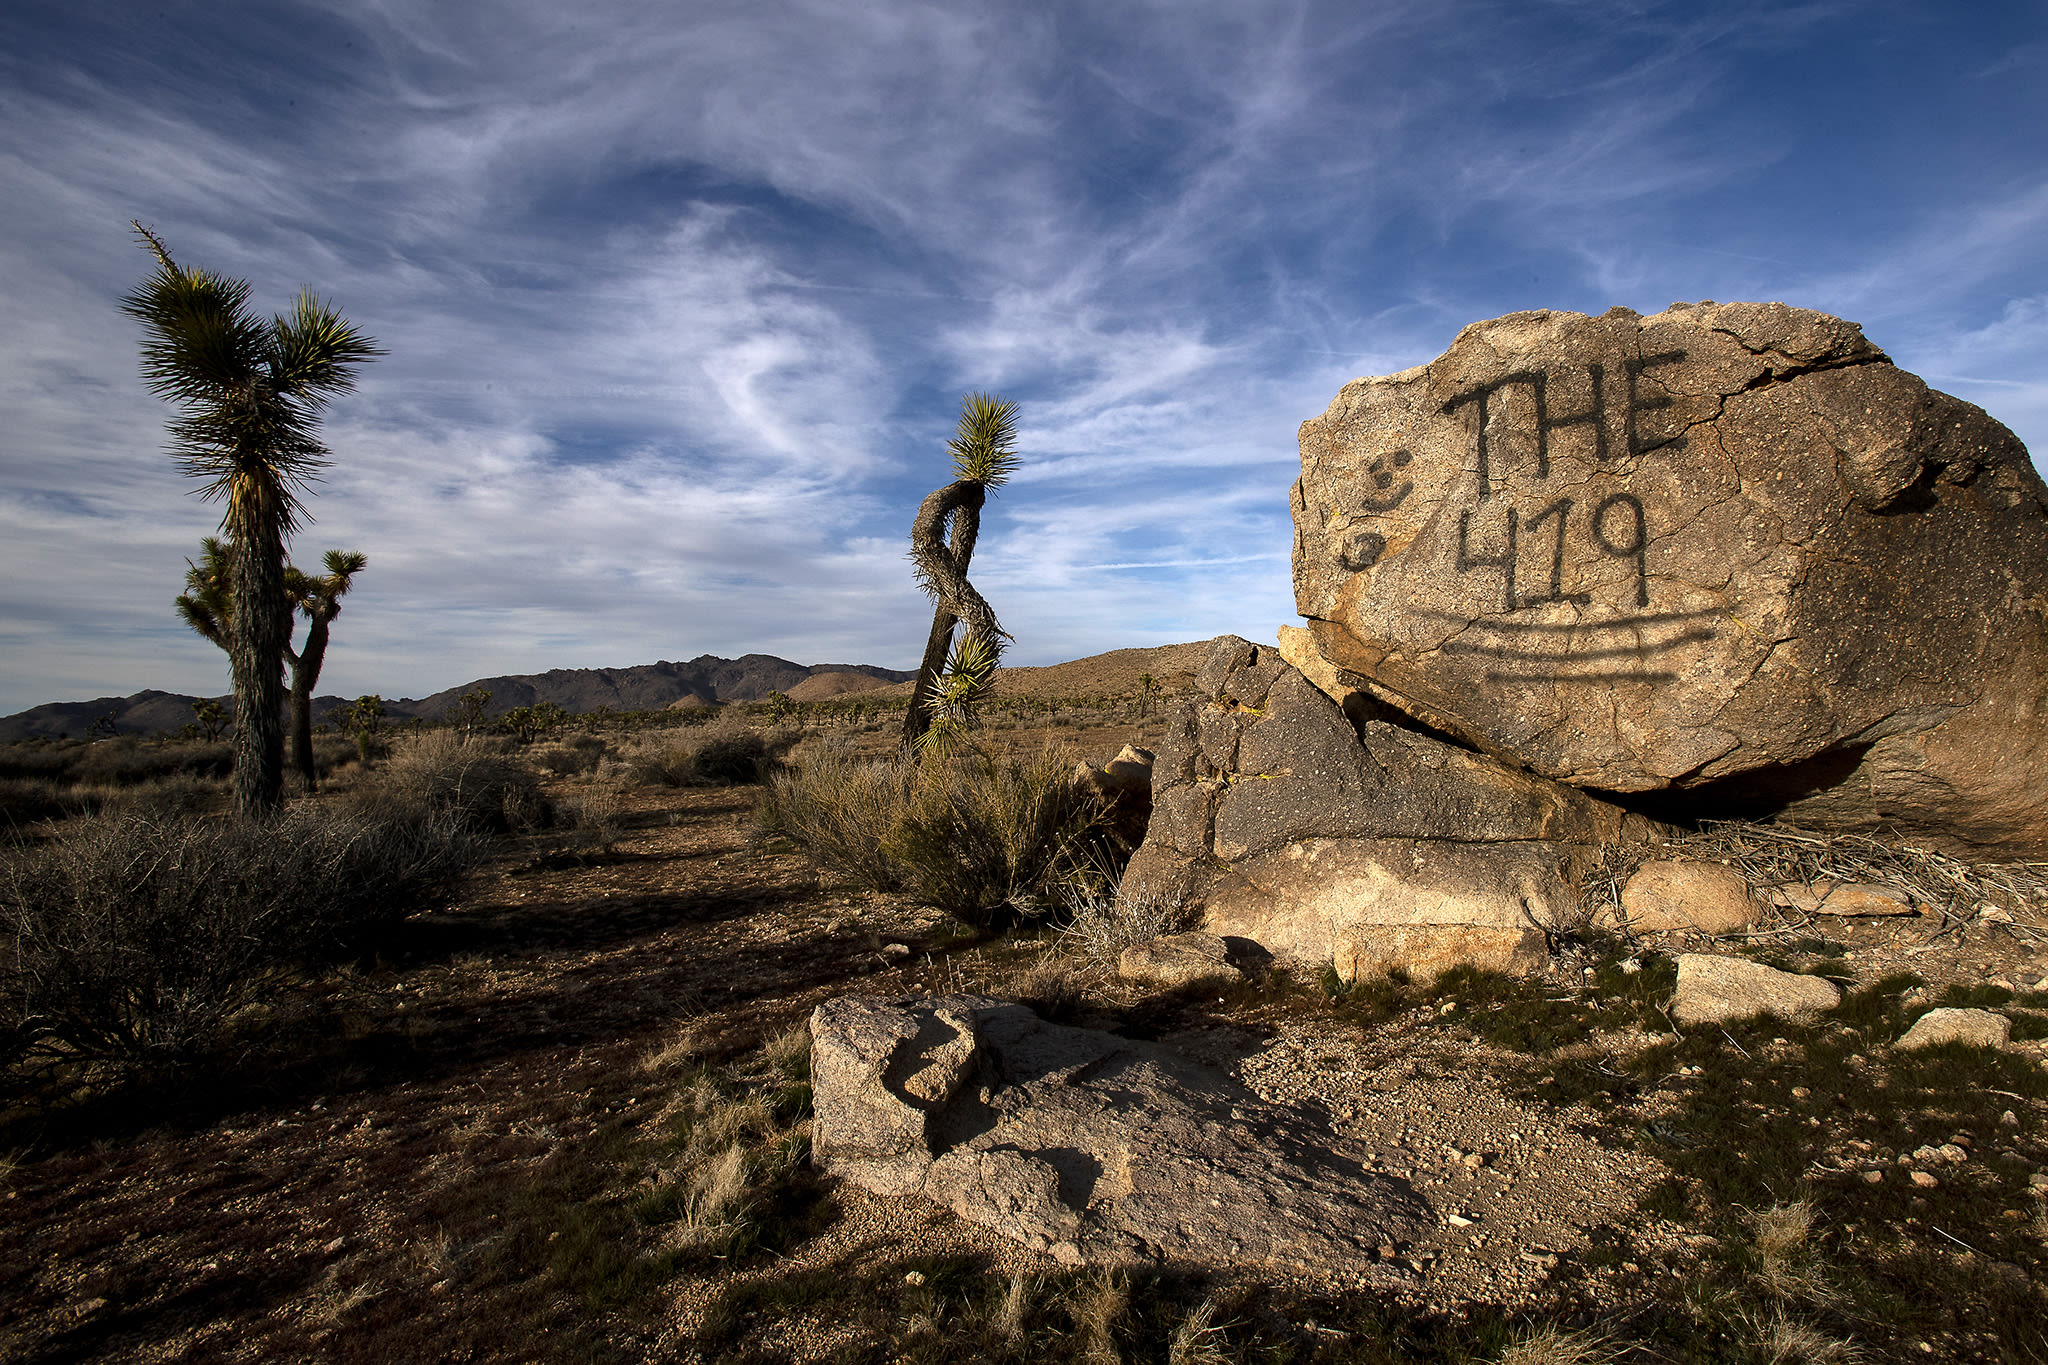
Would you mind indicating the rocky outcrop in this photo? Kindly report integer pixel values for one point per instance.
(1712, 990)
(1362, 842)
(1728, 554)
(1087, 1146)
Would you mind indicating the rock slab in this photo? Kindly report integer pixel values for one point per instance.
(1090, 1147)
(1981, 1028)
(1325, 836)
(1713, 990)
(1176, 960)
(1728, 552)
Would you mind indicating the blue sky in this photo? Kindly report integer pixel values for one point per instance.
(680, 298)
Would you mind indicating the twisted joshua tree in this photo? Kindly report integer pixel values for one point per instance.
(941, 545)
(250, 393)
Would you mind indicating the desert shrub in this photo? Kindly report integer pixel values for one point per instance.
(441, 775)
(24, 800)
(572, 757)
(986, 840)
(129, 760)
(722, 752)
(133, 938)
(843, 814)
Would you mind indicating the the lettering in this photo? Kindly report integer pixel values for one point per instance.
(1594, 415)
(1639, 543)
(1559, 511)
(1505, 561)
(1620, 528)
(1637, 404)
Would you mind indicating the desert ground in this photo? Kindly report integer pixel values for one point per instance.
(566, 1117)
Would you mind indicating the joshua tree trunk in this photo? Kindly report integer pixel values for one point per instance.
(944, 566)
(305, 675)
(259, 631)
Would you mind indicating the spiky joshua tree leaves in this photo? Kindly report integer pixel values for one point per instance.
(250, 393)
(941, 545)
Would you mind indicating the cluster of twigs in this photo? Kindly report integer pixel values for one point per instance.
(1948, 889)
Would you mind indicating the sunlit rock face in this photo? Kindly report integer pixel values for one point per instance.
(1728, 553)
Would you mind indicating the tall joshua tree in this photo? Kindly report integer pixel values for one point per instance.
(941, 544)
(206, 607)
(250, 393)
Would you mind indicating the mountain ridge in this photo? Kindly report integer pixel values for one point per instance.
(706, 680)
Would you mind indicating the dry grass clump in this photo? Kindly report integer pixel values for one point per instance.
(987, 840)
(1550, 1344)
(1102, 923)
(1774, 1338)
(1785, 1267)
(741, 1133)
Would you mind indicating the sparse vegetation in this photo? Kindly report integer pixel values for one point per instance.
(134, 940)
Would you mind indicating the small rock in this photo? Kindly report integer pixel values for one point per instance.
(1873, 1177)
(1984, 1028)
(895, 951)
(1667, 894)
(1713, 989)
(1924, 1180)
(1865, 898)
(1175, 960)
(2038, 1181)
(2009, 1119)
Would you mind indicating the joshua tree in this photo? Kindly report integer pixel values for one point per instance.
(983, 460)
(206, 606)
(319, 599)
(470, 709)
(251, 393)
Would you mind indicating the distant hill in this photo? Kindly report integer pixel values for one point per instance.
(646, 687)
(1114, 674)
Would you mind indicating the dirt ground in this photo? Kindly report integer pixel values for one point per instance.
(437, 1171)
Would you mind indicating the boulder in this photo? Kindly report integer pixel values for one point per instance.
(1666, 893)
(1124, 787)
(1982, 1028)
(1712, 990)
(1284, 821)
(1727, 556)
(1090, 1147)
(1176, 960)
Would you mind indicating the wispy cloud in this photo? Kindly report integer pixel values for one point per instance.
(679, 302)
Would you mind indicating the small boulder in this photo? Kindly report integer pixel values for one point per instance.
(1983, 1028)
(1090, 1147)
(1668, 894)
(1426, 951)
(1176, 960)
(1714, 989)
(1865, 898)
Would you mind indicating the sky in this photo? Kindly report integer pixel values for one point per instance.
(680, 299)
